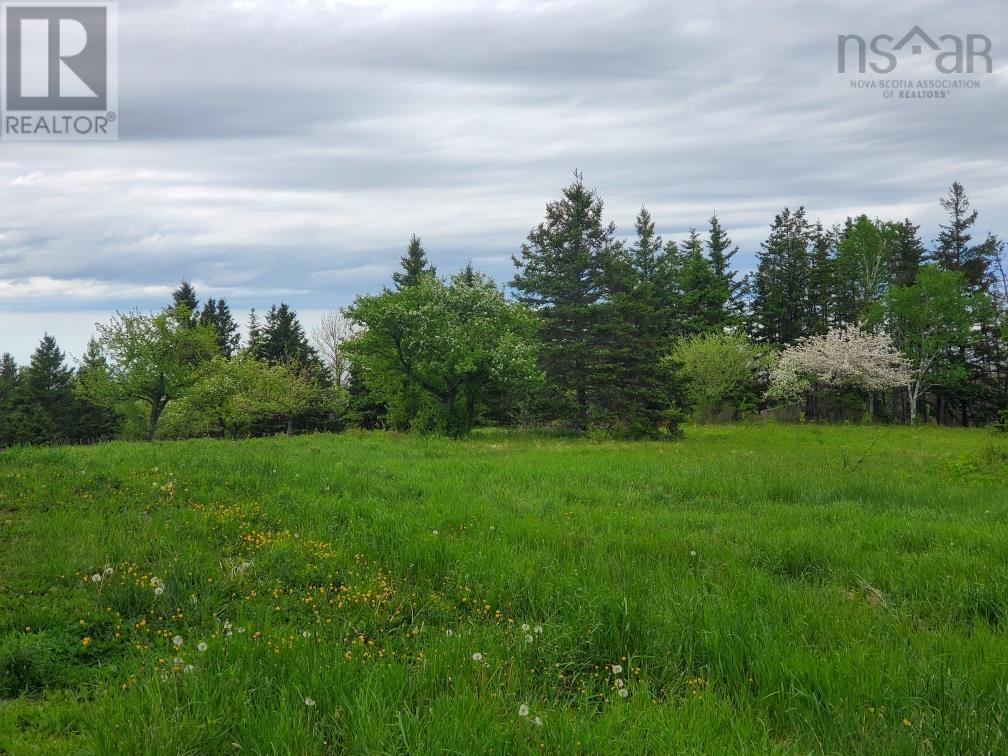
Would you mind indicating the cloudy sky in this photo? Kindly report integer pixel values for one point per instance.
(286, 150)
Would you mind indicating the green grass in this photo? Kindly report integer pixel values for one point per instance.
(794, 589)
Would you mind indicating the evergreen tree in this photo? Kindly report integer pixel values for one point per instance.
(646, 251)
(562, 273)
(908, 254)
(781, 310)
(93, 422)
(283, 339)
(184, 297)
(954, 252)
(703, 291)
(822, 298)
(720, 252)
(415, 265)
(216, 313)
(255, 333)
(47, 393)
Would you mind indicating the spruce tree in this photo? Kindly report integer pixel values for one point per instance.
(702, 290)
(720, 252)
(184, 297)
(561, 273)
(954, 252)
(47, 392)
(781, 310)
(284, 339)
(216, 313)
(908, 254)
(93, 422)
(415, 265)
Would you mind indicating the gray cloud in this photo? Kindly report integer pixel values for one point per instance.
(287, 150)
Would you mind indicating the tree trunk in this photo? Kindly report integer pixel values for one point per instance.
(157, 407)
(290, 425)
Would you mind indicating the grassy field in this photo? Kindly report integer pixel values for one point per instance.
(747, 589)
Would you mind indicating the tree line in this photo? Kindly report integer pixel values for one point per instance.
(594, 333)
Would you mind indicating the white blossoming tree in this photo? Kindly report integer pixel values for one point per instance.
(846, 357)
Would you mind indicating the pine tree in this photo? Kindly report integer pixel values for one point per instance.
(415, 265)
(646, 251)
(822, 295)
(284, 339)
(184, 297)
(954, 252)
(702, 290)
(720, 252)
(781, 311)
(255, 335)
(93, 422)
(47, 392)
(561, 273)
(908, 254)
(216, 313)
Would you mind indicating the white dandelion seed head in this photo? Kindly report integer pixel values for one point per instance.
(620, 683)
(525, 627)
(617, 669)
(177, 661)
(96, 578)
(449, 632)
(155, 582)
(538, 629)
(623, 692)
(538, 721)
(305, 634)
(528, 638)
(523, 711)
(692, 553)
(309, 702)
(108, 570)
(188, 668)
(477, 657)
(159, 590)
(434, 532)
(201, 647)
(177, 641)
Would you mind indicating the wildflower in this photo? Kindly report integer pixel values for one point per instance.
(177, 641)
(201, 647)
(619, 683)
(177, 661)
(538, 629)
(477, 657)
(86, 641)
(306, 634)
(449, 632)
(906, 722)
(188, 668)
(525, 627)
(155, 582)
(692, 553)
(617, 669)
(523, 711)
(159, 590)
(309, 702)
(108, 570)
(227, 624)
(528, 638)
(538, 721)
(96, 578)
(434, 532)
(623, 692)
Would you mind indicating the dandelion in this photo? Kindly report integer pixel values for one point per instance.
(449, 632)
(434, 532)
(108, 570)
(227, 624)
(201, 647)
(177, 661)
(155, 582)
(692, 553)
(96, 578)
(523, 711)
(309, 702)
(623, 693)
(538, 721)
(620, 683)
(528, 638)
(159, 590)
(525, 627)
(86, 641)
(188, 668)
(617, 669)
(306, 634)
(477, 657)
(538, 629)
(177, 641)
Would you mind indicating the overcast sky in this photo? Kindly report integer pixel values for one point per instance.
(286, 150)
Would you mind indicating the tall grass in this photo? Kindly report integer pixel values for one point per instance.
(750, 589)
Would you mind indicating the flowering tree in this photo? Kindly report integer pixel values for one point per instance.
(843, 357)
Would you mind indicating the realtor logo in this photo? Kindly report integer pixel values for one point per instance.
(60, 76)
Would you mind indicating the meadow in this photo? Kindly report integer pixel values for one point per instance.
(749, 589)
